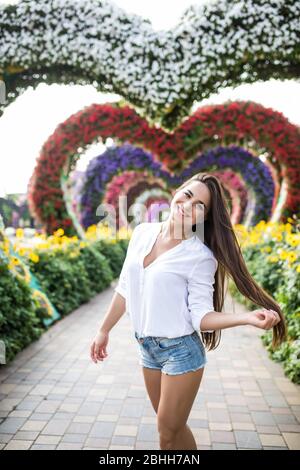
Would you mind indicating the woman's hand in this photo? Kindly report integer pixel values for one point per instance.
(98, 347)
(263, 318)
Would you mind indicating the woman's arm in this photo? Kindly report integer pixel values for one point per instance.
(261, 318)
(115, 311)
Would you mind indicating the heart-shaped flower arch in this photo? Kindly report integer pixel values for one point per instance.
(248, 124)
(161, 73)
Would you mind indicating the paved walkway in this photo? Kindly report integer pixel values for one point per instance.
(54, 397)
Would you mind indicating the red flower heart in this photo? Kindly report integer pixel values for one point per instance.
(242, 123)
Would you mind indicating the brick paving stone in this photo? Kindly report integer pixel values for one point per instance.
(68, 446)
(18, 445)
(222, 446)
(243, 426)
(288, 418)
(267, 429)
(26, 435)
(5, 438)
(20, 414)
(147, 432)
(122, 430)
(241, 417)
(119, 447)
(53, 397)
(84, 419)
(97, 443)
(52, 440)
(202, 436)
(263, 418)
(289, 428)
(11, 425)
(144, 445)
(123, 440)
(124, 420)
(79, 428)
(102, 429)
(292, 440)
(222, 436)
(43, 447)
(73, 438)
(56, 427)
(274, 448)
(32, 425)
(248, 439)
(272, 440)
(220, 426)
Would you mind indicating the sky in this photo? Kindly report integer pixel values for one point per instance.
(32, 118)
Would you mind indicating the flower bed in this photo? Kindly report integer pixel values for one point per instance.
(272, 253)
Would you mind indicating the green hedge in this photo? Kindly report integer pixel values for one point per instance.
(283, 284)
(19, 322)
(68, 281)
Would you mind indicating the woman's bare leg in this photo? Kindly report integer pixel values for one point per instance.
(178, 393)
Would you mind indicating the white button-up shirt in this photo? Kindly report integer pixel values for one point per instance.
(172, 294)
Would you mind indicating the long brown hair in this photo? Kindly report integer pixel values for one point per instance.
(220, 237)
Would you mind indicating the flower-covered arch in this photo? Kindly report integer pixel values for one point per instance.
(239, 195)
(247, 124)
(161, 73)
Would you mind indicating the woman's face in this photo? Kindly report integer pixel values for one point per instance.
(191, 203)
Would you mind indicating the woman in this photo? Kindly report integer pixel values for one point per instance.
(173, 285)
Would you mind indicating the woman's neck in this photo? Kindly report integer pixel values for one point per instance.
(175, 231)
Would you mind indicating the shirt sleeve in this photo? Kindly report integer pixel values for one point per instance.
(121, 286)
(201, 289)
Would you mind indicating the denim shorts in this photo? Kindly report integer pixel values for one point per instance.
(172, 355)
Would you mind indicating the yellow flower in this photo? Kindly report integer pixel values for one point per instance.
(266, 249)
(21, 251)
(91, 228)
(293, 239)
(273, 259)
(59, 233)
(261, 224)
(283, 255)
(34, 257)
(292, 256)
(298, 268)
(19, 233)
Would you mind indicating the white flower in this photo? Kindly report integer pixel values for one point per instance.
(102, 38)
